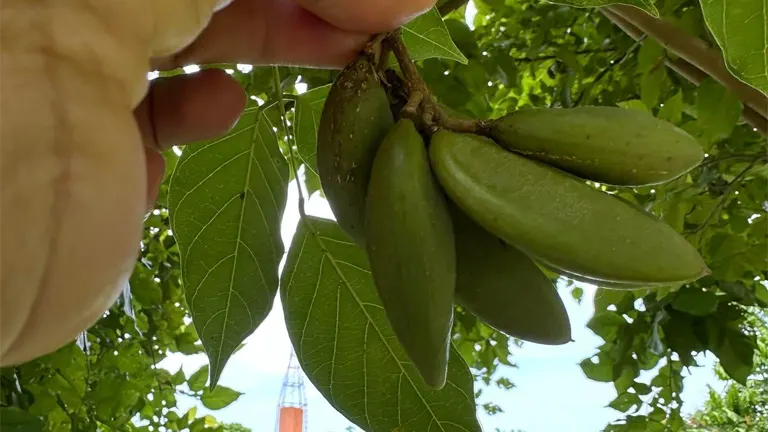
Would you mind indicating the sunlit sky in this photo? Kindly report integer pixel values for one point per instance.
(551, 393)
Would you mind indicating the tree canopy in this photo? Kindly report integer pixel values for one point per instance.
(699, 66)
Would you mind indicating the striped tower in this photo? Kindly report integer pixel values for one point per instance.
(292, 408)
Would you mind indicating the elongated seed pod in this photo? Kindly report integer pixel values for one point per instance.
(412, 251)
(504, 287)
(354, 121)
(557, 218)
(605, 144)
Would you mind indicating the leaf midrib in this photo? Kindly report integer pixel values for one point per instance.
(373, 323)
(216, 371)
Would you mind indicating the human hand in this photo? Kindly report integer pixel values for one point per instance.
(81, 160)
(204, 105)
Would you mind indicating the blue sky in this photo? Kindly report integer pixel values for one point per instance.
(551, 393)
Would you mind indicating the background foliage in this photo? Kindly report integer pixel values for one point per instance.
(513, 55)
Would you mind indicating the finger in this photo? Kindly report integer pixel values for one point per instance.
(271, 32)
(370, 16)
(188, 108)
(155, 174)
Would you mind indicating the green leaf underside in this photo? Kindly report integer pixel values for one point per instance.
(718, 109)
(227, 198)
(736, 353)
(741, 29)
(16, 420)
(219, 398)
(346, 346)
(645, 5)
(427, 37)
(309, 106)
(198, 379)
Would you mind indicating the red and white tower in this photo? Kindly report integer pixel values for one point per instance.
(292, 408)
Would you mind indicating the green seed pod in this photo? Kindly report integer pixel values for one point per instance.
(355, 119)
(411, 250)
(609, 145)
(557, 218)
(504, 287)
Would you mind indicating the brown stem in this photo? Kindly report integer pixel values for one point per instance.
(458, 124)
(376, 50)
(411, 108)
(413, 80)
(697, 76)
(695, 51)
(419, 95)
(552, 57)
(691, 72)
(386, 50)
(633, 32)
(723, 198)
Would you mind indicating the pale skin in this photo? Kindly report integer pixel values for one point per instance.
(316, 33)
(82, 139)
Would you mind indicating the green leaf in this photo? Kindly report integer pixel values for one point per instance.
(625, 401)
(741, 29)
(16, 420)
(607, 297)
(626, 378)
(219, 398)
(680, 336)
(675, 421)
(309, 106)
(203, 424)
(344, 342)
(226, 201)
(695, 301)
(672, 111)
(645, 5)
(143, 289)
(649, 55)
(198, 379)
(602, 371)
(651, 86)
(761, 293)
(634, 104)
(641, 388)
(606, 325)
(178, 378)
(736, 354)
(577, 294)
(427, 37)
(462, 36)
(717, 109)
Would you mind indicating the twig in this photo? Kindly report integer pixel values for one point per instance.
(458, 124)
(688, 71)
(413, 80)
(723, 198)
(412, 106)
(695, 51)
(450, 6)
(605, 70)
(386, 50)
(633, 32)
(725, 158)
(554, 56)
(697, 76)
(419, 95)
(289, 138)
